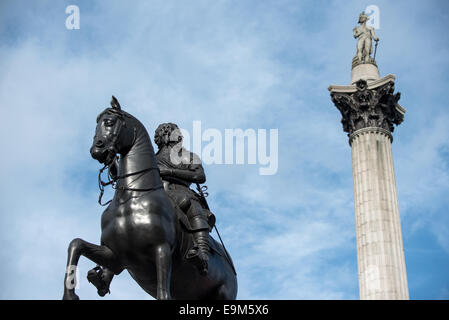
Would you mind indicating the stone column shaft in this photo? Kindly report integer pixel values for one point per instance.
(380, 256)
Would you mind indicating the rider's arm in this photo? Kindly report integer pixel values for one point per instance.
(195, 174)
(164, 170)
(192, 172)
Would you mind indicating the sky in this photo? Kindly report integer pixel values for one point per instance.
(229, 64)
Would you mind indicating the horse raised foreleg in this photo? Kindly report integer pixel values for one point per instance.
(101, 255)
(101, 278)
(163, 268)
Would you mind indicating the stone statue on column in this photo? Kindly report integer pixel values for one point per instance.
(364, 36)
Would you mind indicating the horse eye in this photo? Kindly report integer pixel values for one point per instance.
(108, 122)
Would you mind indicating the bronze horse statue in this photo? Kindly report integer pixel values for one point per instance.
(140, 228)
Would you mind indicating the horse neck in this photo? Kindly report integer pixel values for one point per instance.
(139, 157)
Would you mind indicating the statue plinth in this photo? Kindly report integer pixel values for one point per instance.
(367, 71)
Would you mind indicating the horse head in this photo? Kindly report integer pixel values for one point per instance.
(112, 134)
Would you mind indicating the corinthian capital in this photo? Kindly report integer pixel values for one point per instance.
(368, 105)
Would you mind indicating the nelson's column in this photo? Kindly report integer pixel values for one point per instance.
(369, 109)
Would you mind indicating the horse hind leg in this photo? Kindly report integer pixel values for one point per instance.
(101, 255)
(163, 261)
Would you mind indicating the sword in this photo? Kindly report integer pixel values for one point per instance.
(375, 49)
(203, 194)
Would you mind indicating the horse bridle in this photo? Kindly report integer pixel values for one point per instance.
(112, 179)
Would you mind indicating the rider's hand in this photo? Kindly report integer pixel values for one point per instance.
(165, 172)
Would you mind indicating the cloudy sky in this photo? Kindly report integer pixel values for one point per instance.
(229, 64)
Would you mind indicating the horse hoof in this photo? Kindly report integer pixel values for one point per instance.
(95, 276)
(70, 296)
(164, 295)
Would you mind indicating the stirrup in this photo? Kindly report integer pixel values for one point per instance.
(94, 277)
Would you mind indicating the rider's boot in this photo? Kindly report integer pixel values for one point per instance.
(199, 253)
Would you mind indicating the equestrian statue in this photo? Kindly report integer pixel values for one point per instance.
(155, 226)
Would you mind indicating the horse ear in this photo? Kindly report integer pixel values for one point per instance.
(115, 104)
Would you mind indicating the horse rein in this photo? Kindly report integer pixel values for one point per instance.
(113, 182)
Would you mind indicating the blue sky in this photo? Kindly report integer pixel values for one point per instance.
(229, 64)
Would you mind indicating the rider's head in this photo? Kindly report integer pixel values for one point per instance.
(363, 17)
(167, 134)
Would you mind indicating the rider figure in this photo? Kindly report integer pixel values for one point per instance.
(179, 168)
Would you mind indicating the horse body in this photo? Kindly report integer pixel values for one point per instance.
(140, 230)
